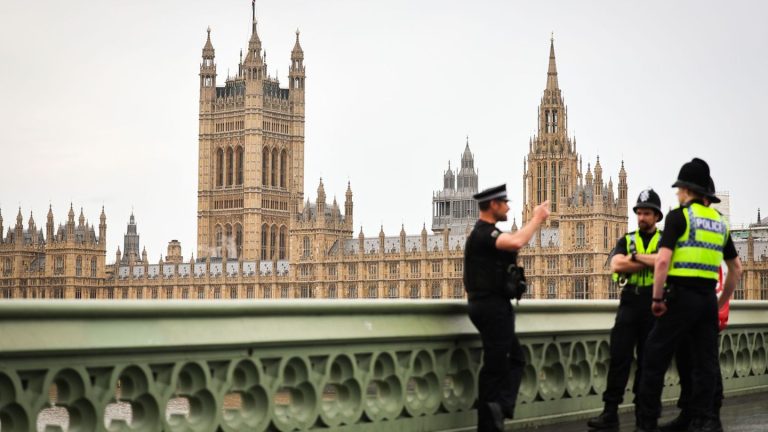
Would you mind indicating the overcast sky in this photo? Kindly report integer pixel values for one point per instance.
(100, 99)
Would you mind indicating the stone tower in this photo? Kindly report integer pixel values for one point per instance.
(453, 207)
(251, 154)
(552, 163)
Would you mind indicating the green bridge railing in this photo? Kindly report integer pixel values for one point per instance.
(308, 365)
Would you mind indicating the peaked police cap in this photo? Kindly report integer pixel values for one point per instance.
(492, 193)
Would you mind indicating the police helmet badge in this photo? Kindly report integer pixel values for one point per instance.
(644, 195)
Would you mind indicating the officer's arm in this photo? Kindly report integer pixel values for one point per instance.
(663, 258)
(515, 241)
(734, 274)
(624, 264)
(646, 260)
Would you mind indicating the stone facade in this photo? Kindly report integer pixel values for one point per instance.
(62, 262)
(568, 257)
(258, 238)
(251, 155)
(453, 207)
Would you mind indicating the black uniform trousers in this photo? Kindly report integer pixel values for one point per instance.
(503, 358)
(684, 357)
(634, 322)
(692, 316)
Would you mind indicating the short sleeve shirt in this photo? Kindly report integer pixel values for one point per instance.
(674, 228)
(481, 258)
(622, 247)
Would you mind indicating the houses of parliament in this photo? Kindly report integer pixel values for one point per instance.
(260, 237)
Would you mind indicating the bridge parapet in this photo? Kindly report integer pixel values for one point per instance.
(287, 365)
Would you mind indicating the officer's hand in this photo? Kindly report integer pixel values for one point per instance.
(658, 309)
(541, 211)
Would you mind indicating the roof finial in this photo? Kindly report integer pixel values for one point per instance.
(253, 10)
(552, 37)
(209, 31)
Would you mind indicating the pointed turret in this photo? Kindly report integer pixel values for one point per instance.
(103, 228)
(144, 255)
(81, 219)
(759, 219)
(552, 83)
(320, 202)
(622, 186)
(208, 71)
(335, 209)
(424, 236)
(18, 235)
(449, 179)
(467, 177)
(118, 256)
(254, 62)
(49, 225)
(598, 177)
(31, 223)
(348, 206)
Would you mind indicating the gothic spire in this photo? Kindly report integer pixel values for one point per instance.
(552, 71)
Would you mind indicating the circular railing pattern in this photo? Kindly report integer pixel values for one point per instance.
(315, 387)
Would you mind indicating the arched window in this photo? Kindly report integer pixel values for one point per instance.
(59, 266)
(436, 290)
(79, 266)
(580, 235)
(265, 167)
(283, 238)
(219, 239)
(553, 186)
(239, 240)
(228, 238)
(307, 247)
(239, 165)
(264, 233)
(219, 167)
(551, 290)
(93, 267)
(283, 167)
(230, 166)
(272, 241)
(605, 237)
(274, 168)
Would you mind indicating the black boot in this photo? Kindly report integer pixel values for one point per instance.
(607, 419)
(496, 415)
(705, 425)
(678, 424)
(647, 426)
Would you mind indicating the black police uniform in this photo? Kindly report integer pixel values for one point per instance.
(691, 314)
(493, 316)
(634, 321)
(684, 360)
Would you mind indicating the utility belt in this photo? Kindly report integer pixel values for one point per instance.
(637, 290)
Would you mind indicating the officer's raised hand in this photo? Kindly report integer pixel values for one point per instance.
(541, 211)
(517, 240)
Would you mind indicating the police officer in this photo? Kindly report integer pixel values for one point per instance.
(490, 310)
(684, 362)
(632, 264)
(694, 244)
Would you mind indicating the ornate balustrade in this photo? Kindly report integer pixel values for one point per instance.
(302, 365)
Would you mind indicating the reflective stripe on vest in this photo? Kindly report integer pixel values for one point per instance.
(644, 277)
(699, 251)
